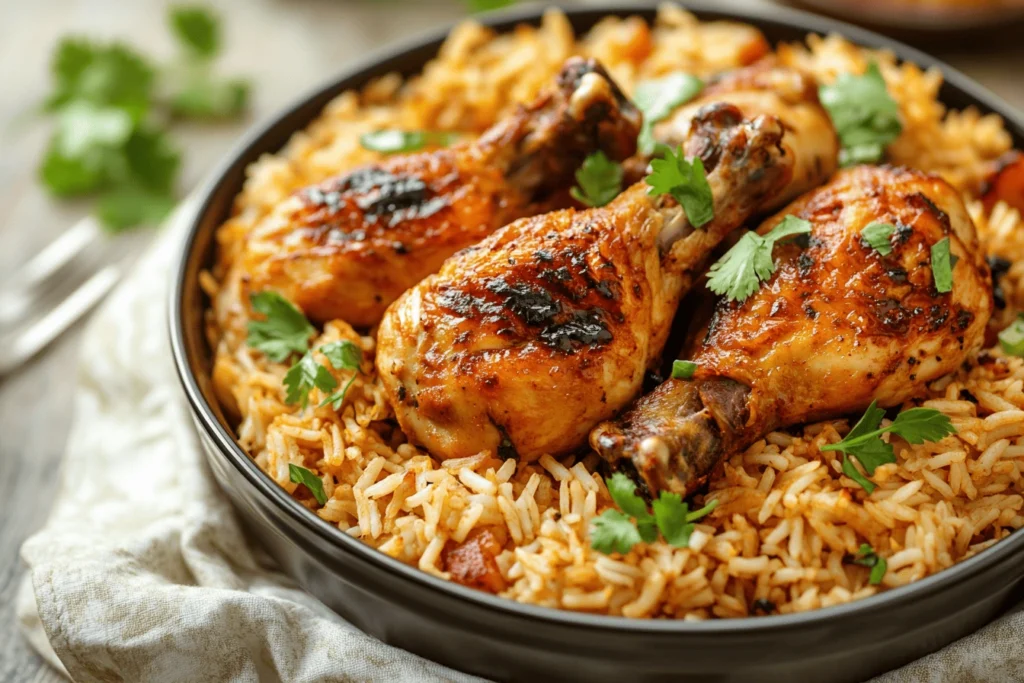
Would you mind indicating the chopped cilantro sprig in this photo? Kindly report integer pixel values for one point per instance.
(343, 355)
(687, 182)
(865, 115)
(942, 266)
(749, 262)
(284, 329)
(599, 180)
(619, 530)
(916, 426)
(300, 475)
(867, 557)
(877, 237)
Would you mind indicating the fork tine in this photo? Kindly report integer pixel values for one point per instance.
(41, 333)
(20, 288)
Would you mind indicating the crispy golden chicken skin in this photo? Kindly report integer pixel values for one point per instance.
(837, 326)
(348, 247)
(525, 341)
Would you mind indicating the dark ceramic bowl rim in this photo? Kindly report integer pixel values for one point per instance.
(227, 446)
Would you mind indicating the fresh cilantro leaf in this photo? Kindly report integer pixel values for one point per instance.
(877, 237)
(343, 355)
(392, 141)
(623, 492)
(868, 422)
(85, 153)
(916, 426)
(850, 470)
(686, 182)
(599, 180)
(111, 75)
(85, 128)
(671, 517)
(69, 61)
(867, 557)
(153, 159)
(284, 331)
(613, 531)
(670, 514)
(865, 116)
(128, 206)
(300, 475)
(303, 377)
(942, 269)
(66, 176)
(657, 99)
(674, 519)
(1012, 338)
(609, 532)
(743, 268)
(197, 30)
(683, 369)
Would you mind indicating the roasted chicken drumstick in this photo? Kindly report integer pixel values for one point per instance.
(346, 248)
(839, 324)
(525, 341)
(786, 93)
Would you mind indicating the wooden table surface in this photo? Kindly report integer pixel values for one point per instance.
(287, 47)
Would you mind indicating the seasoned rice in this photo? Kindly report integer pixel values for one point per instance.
(787, 516)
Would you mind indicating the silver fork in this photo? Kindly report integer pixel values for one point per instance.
(37, 306)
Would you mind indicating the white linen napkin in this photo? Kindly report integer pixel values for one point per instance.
(141, 572)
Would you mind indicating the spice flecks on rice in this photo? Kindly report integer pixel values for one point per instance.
(787, 521)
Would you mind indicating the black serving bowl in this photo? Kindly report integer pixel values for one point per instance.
(482, 634)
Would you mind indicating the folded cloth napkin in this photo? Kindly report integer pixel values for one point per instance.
(142, 573)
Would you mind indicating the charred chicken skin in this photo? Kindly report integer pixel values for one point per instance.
(839, 324)
(525, 341)
(348, 247)
(785, 93)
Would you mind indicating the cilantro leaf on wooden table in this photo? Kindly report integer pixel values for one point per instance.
(196, 29)
(743, 268)
(284, 330)
(111, 106)
(687, 182)
(865, 115)
(599, 180)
